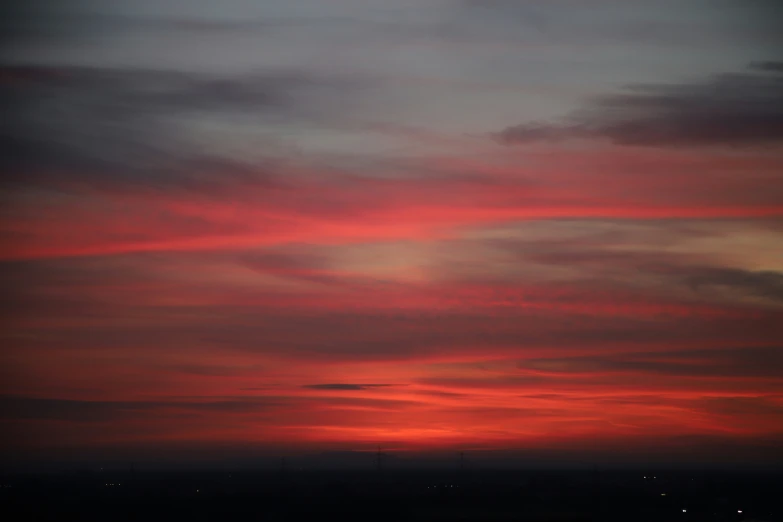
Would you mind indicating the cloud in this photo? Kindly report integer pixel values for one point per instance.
(136, 127)
(21, 407)
(37, 22)
(300, 266)
(768, 66)
(742, 109)
(766, 284)
(202, 210)
(739, 362)
(681, 269)
(745, 406)
(335, 336)
(345, 387)
(573, 25)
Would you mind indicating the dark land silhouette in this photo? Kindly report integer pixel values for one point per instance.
(458, 494)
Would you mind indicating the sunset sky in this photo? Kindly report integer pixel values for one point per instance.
(238, 228)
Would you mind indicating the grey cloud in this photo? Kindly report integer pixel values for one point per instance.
(740, 109)
(36, 22)
(345, 387)
(21, 407)
(766, 284)
(768, 66)
(740, 362)
(600, 257)
(15, 408)
(12, 407)
(510, 11)
(212, 370)
(113, 125)
(73, 22)
(582, 25)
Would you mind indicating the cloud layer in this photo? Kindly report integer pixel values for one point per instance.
(740, 109)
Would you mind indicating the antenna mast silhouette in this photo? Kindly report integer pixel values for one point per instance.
(379, 456)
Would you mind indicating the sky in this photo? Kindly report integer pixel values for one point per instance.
(544, 230)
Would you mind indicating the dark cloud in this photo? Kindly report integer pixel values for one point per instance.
(744, 406)
(15, 408)
(36, 22)
(380, 335)
(509, 11)
(766, 284)
(740, 109)
(97, 125)
(600, 257)
(212, 370)
(12, 407)
(768, 66)
(20, 407)
(575, 24)
(345, 387)
(740, 362)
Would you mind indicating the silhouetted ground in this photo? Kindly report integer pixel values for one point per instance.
(395, 495)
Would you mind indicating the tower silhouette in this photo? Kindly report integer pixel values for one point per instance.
(379, 458)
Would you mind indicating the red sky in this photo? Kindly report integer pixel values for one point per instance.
(281, 263)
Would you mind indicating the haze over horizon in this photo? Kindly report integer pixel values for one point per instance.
(541, 230)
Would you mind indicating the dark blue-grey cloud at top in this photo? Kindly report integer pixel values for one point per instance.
(42, 21)
(51, 23)
(741, 109)
(665, 26)
(127, 124)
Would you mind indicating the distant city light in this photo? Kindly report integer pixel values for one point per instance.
(663, 494)
(739, 511)
(684, 510)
